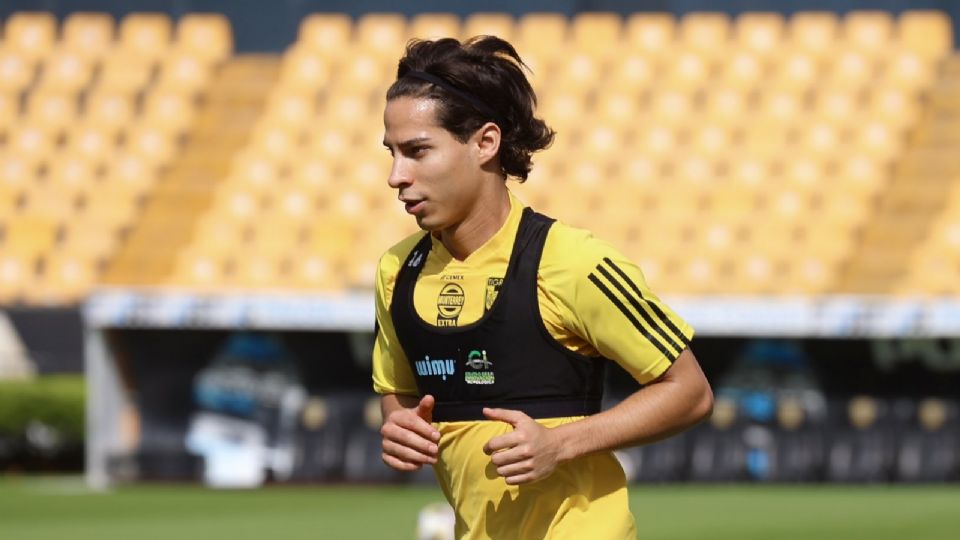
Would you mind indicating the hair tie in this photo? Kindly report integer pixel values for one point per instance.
(463, 95)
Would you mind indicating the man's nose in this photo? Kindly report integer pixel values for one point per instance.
(399, 175)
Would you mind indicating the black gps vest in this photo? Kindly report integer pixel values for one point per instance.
(505, 359)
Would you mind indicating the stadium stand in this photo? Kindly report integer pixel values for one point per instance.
(805, 154)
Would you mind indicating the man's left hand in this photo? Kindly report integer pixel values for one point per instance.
(529, 453)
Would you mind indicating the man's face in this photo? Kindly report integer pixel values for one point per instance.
(436, 176)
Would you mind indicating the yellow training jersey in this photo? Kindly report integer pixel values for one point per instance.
(594, 302)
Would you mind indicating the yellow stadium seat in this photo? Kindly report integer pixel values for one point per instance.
(325, 33)
(313, 173)
(17, 170)
(304, 71)
(112, 110)
(820, 138)
(31, 142)
(850, 68)
(808, 275)
(183, 72)
(44, 199)
(146, 35)
(656, 140)
(383, 34)
(651, 34)
(199, 268)
(541, 34)
(599, 34)
(706, 32)
(760, 33)
(124, 72)
(634, 72)
(331, 145)
(688, 70)
(743, 69)
(93, 239)
(878, 139)
(796, 69)
(30, 235)
(110, 205)
(238, 204)
(365, 73)
(292, 207)
(66, 278)
(206, 36)
(91, 142)
(344, 110)
(750, 170)
(671, 107)
(726, 106)
(255, 171)
(31, 34)
(16, 273)
(66, 70)
(70, 173)
(273, 240)
(51, 110)
(316, 272)
(168, 110)
(578, 73)
(781, 105)
(907, 70)
(861, 173)
(434, 26)
(696, 169)
(927, 33)
(9, 199)
(293, 110)
(869, 32)
(489, 24)
(712, 140)
(150, 143)
(130, 171)
(616, 108)
(805, 171)
(836, 105)
(16, 71)
(90, 34)
(814, 32)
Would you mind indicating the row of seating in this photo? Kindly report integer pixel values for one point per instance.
(734, 179)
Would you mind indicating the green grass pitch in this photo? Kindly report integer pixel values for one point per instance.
(58, 508)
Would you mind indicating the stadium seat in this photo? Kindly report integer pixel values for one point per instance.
(31, 35)
(65, 70)
(650, 34)
(927, 33)
(707, 33)
(52, 111)
(382, 34)
(599, 34)
(538, 35)
(146, 35)
(17, 71)
(489, 24)
(325, 33)
(111, 109)
(90, 34)
(205, 36)
(434, 26)
(869, 32)
(759, 33)
(814, 32)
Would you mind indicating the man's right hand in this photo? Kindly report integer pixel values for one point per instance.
(409, 439)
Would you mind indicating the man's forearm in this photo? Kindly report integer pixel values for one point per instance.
(676, 402)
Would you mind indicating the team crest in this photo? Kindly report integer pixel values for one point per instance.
(493, 289)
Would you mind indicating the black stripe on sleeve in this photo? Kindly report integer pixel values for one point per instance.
(626, 312)
(653, 306)
(668, 339)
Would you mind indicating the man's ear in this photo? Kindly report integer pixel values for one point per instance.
(487, 142)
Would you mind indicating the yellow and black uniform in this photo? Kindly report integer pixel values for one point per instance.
(525, 322)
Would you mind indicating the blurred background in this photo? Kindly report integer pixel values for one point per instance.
(193, 199)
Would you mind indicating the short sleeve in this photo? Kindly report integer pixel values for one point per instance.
(391, 372)
(610, 306)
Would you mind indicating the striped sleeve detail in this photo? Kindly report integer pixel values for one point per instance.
(659, 330)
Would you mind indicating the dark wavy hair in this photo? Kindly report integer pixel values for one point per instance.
(490, 69)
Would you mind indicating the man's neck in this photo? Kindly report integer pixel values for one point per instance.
(486, 220)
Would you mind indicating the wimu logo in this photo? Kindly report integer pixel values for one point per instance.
(438, 368)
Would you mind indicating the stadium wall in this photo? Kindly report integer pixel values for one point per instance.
(272, 26)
